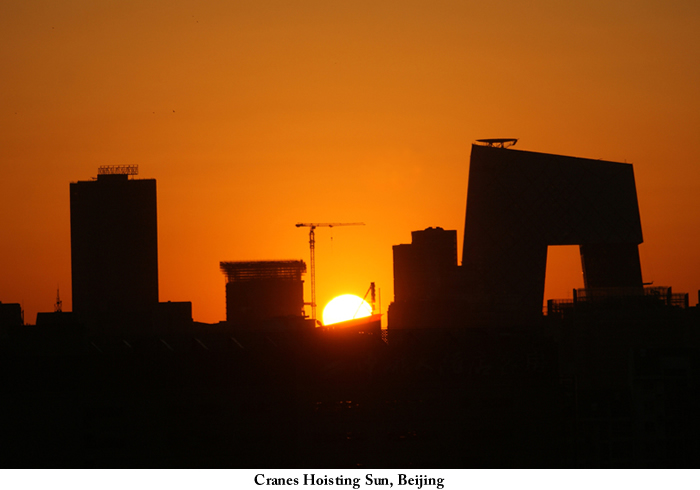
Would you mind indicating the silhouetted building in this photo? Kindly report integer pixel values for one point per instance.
(10, 318)
(172, 317)
(614, 383)
(263, 290)
(424, 279)
(368, 325)
(423, 268)
(114, 245)
(520, 202)
(55, 319)
(10, 314)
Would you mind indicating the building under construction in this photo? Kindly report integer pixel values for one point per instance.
(261, 291)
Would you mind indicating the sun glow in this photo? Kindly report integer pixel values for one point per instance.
(345, 307)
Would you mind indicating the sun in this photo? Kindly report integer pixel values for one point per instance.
(345, 307)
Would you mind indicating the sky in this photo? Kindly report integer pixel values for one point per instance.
(256, 115)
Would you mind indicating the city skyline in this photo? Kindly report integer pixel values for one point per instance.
(253, 118)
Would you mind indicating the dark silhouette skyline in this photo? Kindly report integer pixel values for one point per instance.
(334, 112)
(256, 115)
(610, 380)
(518, 204)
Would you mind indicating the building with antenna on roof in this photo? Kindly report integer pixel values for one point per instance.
(114, 245)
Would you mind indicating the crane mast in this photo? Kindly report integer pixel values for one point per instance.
(312, 248)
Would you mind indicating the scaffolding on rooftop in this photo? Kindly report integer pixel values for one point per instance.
(618, 296)
(118, 170)
(285, 270)
(662, 294)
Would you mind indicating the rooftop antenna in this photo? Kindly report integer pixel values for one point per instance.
(58, 307)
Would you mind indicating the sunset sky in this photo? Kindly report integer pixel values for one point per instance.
(255, 115)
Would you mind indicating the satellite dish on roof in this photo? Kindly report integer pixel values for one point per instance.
(499, 142)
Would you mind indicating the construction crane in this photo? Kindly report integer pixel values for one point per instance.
(312, 246)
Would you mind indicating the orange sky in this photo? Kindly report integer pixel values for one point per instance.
(255, 115)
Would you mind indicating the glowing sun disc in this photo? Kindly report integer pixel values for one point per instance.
(345, 307)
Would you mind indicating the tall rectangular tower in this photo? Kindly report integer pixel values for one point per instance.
(114, 244)
(425, 277)
(424, 269)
